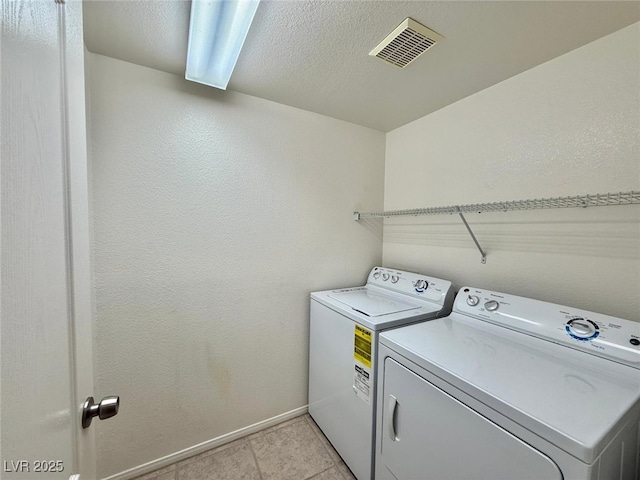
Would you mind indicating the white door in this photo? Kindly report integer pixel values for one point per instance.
(45, 334)
(426, 433)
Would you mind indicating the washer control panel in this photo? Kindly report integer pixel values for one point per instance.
(414, 284)
(609, 337)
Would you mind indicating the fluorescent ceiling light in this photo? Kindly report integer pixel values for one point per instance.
(217, 31)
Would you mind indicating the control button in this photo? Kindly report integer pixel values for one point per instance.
(473, 300)
(394, 279)
(491, 305)
(376, 275)
(634, 341)
(385, 276)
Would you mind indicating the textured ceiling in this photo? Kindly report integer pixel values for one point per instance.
(313, 54)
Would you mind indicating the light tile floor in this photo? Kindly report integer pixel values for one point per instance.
(292, 450)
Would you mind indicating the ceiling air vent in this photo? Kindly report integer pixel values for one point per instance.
(406, 43)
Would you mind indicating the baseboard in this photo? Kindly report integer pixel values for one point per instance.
(204, 446)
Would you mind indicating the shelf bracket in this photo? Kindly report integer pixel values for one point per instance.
(473, 237)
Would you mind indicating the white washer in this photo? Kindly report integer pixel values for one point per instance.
(343, 344)
(510, 388)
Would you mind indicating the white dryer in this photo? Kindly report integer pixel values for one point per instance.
(343, 348)
(510, 388)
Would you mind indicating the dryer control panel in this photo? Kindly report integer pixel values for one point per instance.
(418, 286)
(609, 337)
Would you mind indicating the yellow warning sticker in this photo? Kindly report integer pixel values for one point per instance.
(362, 346)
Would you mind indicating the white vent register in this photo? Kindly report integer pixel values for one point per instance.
(407, 42)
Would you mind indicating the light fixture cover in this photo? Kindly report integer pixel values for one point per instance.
(217, 31)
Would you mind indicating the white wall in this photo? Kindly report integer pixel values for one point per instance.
(570, 126)
(215, 215)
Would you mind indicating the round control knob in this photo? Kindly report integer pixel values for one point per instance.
(376, 275)
(582, 329)
(491, 305)
(421, 285)
(473, 300)
(394, 279)
(385, 276)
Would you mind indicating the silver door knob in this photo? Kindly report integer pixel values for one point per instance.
(107, 408)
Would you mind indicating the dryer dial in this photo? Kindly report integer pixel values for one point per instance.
(582, 329)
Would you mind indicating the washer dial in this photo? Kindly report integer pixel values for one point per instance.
(491, 305)
(582, 329)
(473, 300)
(421, 285)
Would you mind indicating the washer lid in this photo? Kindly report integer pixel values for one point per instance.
(373, 304)
(575, 400)
(377, 308)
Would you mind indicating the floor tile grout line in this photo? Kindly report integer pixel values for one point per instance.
(246, 438)
(326, 447)
(319, 432)
(255, 459)
(281, 425)
(305, 418)
(301, 423)
(343, 475)
(320, 473)
(207, 453)
(276, 428)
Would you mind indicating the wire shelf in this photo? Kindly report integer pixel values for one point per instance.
(596, 200)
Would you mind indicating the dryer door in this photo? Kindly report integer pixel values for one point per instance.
(426, 433)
